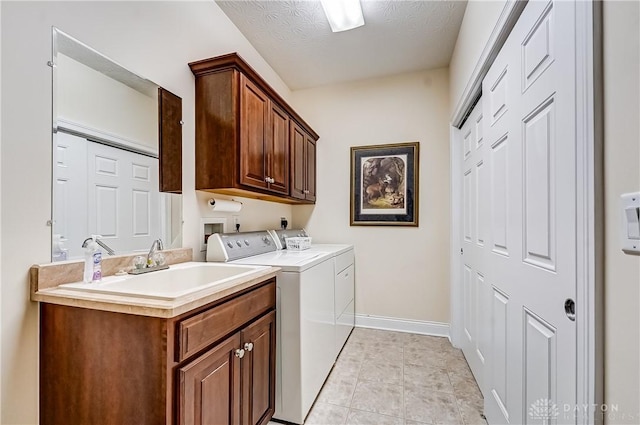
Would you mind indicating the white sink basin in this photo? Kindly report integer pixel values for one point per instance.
(177, 281)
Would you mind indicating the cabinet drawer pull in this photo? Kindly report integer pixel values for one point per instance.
(239, 353)
(248, 346)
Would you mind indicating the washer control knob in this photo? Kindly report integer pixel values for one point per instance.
(229, 245)
(239, 244)
(246, 242)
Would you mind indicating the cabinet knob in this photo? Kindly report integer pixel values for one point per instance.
(248, 346)
(239, 353)
(269, 180)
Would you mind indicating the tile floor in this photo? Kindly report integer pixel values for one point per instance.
(395, 378)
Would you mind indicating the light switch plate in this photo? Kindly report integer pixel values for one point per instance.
(630, 225)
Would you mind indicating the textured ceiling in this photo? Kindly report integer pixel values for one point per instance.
(399, 36)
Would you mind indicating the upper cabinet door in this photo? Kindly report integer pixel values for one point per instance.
(303, 165)
(170, 135)
(254, 116)
(278, 150)
(310, 154)
(298, 146)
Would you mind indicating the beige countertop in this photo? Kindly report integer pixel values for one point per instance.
(149, 306)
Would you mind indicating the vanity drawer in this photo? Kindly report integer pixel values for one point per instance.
(197, 332)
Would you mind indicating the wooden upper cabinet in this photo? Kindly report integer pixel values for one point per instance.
(303, 165)
(170, 138)
(278, 150)
(243, 133)
(254, 129)
(310, 174)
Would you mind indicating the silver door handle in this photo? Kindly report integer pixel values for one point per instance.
(239, 353)
(570, 309)
(248, 346)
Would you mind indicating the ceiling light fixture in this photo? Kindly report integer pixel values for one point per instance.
(343, 14)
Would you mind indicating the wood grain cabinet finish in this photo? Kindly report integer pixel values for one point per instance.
(170, 137)
(258, 370)
(303, 165)
(113, 368)
(243, 131)
(210, 387)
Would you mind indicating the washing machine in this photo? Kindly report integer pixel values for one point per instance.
(314, 310)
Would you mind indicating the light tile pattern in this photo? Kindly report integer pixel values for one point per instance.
(395, 378)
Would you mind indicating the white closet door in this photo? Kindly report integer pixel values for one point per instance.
(474, 234)
(70, 192)
(530, 248)
(123, 192)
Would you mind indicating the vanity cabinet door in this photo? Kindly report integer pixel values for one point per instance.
(170, 135)
(258, 370)
(209, 386)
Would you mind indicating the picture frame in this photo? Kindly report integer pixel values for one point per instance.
(384, 184)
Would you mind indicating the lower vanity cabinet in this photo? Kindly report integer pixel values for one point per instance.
(212, 365)
(232, 383)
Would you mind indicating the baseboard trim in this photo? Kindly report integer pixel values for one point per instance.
(422, 327)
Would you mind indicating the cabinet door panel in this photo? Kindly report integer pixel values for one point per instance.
(298, 145)
(258, 371)
(311, 170)
(253, 131)
(278, 150)
(170, 134)
(210, 387)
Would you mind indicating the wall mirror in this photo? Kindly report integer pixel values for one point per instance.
(116, 155)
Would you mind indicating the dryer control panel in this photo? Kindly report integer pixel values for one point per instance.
(223, 247)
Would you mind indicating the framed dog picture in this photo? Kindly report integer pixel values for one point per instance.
(384, 185)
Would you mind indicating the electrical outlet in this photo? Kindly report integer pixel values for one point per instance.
(236, 222)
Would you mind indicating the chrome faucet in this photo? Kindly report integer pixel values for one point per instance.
(102, 244)
(155, 246)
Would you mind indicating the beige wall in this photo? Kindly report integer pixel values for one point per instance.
(401, 272)
(622, 175)
(91, 98)
(480, 18)
(153, 39)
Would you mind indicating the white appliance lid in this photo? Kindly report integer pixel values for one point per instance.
(295, 261)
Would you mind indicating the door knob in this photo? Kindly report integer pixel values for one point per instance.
(248, 346)
(239, 353)
(570, 309)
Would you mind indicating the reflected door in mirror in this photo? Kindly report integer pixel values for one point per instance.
(105, 191)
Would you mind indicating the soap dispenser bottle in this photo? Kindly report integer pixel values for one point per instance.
(92, 260)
